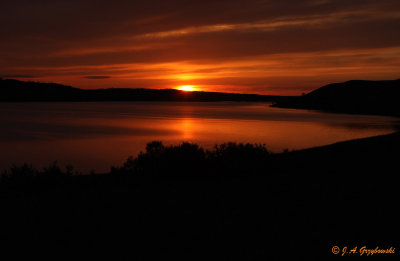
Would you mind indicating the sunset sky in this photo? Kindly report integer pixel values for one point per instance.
(249, 46)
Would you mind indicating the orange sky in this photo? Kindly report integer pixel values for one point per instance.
(267, 47)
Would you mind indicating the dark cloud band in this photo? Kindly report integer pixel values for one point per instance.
(97, 77)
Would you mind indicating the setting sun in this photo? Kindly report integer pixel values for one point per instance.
(186, 88)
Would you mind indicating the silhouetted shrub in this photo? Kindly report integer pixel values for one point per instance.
(238, 157)
(23, 173)
(233, 151)
(190, 159)
(52, 170)
(185, 157)
(26, 173)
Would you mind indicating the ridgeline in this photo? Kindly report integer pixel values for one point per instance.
(19, 91)
(358, 97)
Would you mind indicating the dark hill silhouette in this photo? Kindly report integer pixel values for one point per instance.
(360, 97)
(20, 91)
(357, 96)
(14, 90)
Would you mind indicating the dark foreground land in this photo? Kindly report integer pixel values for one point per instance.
(237, 202)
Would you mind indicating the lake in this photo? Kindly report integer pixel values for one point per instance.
(97, 135)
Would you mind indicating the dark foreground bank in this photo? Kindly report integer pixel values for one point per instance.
(234, 202)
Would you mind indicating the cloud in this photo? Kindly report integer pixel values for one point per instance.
(291, 72)
(17, 76)
(227, 43)
(275, 24)
(97, 77)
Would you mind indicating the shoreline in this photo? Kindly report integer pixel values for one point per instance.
(352, 144)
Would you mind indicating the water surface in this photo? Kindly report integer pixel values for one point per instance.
(97, 135)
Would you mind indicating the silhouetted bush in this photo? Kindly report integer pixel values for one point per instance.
(238, 157)
(160, 159)
(23, 173)
(185, 159)
(52, 170)
(190, 159)
(26, 173)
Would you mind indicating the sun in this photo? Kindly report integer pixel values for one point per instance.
(186, 88)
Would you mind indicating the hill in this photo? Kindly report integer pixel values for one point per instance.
(19, 91)
(360, 97)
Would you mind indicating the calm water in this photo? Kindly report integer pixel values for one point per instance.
(95, 136)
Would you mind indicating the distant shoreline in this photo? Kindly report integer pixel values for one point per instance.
(352, 97)
(19, 91)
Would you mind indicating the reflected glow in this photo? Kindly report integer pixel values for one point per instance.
(187, 127)
(99, 135)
